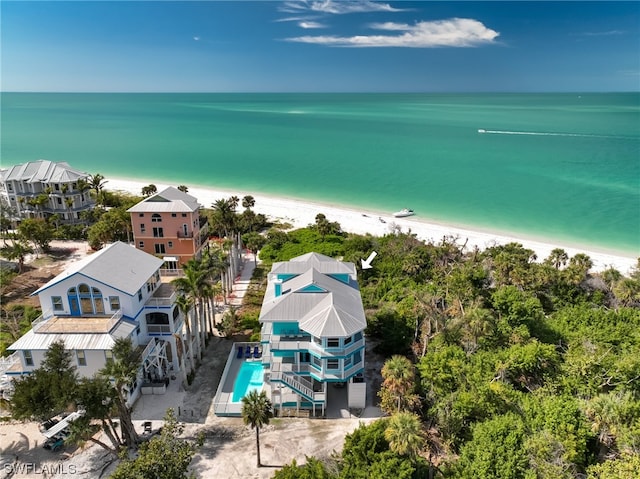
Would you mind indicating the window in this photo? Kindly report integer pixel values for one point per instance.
(142, 228)
(139, 295)
(160, 248)
(57, 186)
(158, 233)
(317, 362)
(184, 215)
(141, 244)
(305, 357)
(173, 215)
(59, 201)
(347, 362)
(333, 342)
(82, 360)
(156, 218)
(347, 340)
(10, 186)
(141, 215)
(333, 363)
(114, 303)
(28, 358)
(170, 244)
(57, 303)
(108, 355)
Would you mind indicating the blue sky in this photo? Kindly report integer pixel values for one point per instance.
(327, 45)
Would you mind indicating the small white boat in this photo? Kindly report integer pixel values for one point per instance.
(403, 212)
(480, 130)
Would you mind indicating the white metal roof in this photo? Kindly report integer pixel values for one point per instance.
(43, 171)
(92, 341)
(119, 265)
(323, 306)
(322, 263)
(169, 200)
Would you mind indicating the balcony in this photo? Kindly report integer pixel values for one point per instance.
(182, 235)
(165, 295)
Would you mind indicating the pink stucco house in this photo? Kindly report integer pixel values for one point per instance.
(169, 225)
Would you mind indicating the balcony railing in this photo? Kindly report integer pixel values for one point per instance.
(156, 302)
(158, 329)
(294, 345)
(181, 234)
(117, 316)
(8, 362)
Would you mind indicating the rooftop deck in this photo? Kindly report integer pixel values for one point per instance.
(76, 324)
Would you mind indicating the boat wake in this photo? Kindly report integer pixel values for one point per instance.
(543, 133)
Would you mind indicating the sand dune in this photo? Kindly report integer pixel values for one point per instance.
(302, 213)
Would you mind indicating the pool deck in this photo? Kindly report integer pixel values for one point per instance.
(223, 402)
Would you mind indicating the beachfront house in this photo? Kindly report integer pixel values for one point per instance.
(312, 339)
(169, 225)
(114, 293)
(43, 188)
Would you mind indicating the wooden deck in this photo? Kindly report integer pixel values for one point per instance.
(68, 324)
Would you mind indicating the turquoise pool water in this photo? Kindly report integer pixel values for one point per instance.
(250, 377)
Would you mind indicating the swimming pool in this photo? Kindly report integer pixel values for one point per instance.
(249, 378)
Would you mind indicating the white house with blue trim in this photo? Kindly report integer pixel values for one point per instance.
(114, 293)
(312, 332)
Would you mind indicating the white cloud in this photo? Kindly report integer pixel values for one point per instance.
(453, 32)
(341, 7)
(307, 24)
(196, 38)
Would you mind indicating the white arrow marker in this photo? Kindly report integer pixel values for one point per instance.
(366, 263)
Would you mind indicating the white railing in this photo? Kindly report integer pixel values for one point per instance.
(312, 346)
(162, 301)
(147, 351)
(158, 328)
(40, 320)
(117, 316)
(297, 383)
(8, 362)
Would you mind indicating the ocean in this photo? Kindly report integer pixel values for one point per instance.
(558, 167)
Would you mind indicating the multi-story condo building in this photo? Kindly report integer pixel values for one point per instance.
(114, 293)
(43, 188)
(312, 333)
(170, 226)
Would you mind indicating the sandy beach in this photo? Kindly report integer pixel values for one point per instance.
(302, 213)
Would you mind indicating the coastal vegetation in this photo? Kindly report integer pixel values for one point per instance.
(510, 365)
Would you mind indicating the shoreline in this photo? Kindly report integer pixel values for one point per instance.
(300, 213)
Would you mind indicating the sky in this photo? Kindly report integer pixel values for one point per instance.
(319, 46)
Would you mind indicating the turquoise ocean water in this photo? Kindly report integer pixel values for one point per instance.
(560, 167)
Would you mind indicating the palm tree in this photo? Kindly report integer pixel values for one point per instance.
(149, 190)
(248, 202)
(96, 182)
(558, 258)
(185, 304)
(398, 374)
(257, 410)
(224, 215)
(404, 434)
(183, 188)
(191, 284)
(122, 370)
